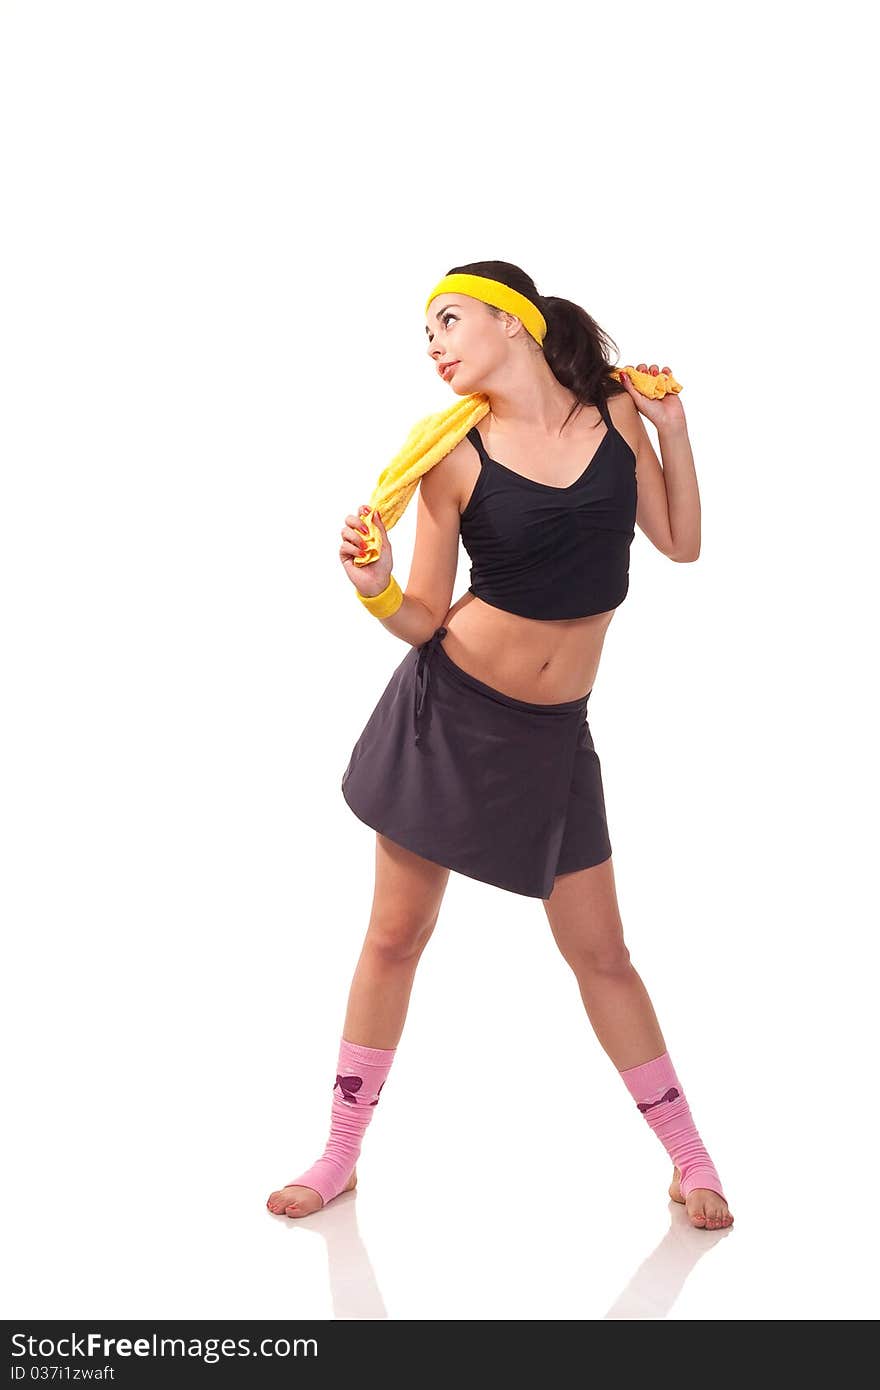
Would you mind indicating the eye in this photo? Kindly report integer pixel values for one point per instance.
(443, 320)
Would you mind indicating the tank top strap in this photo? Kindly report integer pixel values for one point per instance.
(603, 410)
(473, 435)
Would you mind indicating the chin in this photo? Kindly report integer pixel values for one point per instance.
(459, 386)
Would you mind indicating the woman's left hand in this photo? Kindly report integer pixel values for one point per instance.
(663, 412)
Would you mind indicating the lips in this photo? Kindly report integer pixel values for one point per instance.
(444, 371)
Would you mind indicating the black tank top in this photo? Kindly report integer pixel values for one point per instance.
(553, 552)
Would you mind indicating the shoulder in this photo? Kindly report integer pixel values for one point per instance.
(626, 418)
(451, 480)
(622, 406)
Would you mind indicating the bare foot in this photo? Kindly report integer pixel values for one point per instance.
(302, 1201)
(705, 1208)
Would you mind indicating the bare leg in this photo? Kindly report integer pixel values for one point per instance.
(407, 897)
(406, 904)
(585, 920)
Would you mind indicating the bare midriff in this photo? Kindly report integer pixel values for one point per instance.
(529, 658)
(543, 661)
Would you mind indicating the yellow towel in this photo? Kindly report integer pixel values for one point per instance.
(429, 441)
(436, 435)
(653, 386)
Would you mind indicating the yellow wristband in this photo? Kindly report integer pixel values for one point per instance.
(385, 604)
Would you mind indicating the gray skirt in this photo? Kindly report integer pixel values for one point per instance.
(499, 789)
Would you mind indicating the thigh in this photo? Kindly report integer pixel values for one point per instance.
(407, 896)
(584, 914)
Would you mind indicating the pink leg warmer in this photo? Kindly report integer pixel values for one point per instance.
(360, 1076)
(659, 1095)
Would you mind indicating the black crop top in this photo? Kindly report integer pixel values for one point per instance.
(553, 552)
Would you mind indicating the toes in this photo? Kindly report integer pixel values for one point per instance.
(710, 1216)
(276, 1203)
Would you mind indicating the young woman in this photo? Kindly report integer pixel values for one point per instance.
(478, 757)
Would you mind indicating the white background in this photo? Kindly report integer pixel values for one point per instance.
(221, 223)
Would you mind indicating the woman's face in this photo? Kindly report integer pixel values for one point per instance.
(461, 329)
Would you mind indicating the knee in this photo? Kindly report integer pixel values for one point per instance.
(396, 938)
(611, 958)
(598, 954)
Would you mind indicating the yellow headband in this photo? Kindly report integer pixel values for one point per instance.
(495, 293)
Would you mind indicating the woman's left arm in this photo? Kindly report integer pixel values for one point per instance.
(669, 498)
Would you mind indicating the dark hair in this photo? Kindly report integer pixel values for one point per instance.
(576, 348)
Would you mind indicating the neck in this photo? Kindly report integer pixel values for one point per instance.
(530, 398)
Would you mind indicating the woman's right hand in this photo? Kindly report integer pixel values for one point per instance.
(371, 579)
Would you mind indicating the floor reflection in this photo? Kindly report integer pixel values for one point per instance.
(660, 1278)
(354, 1292)
(650, 1293)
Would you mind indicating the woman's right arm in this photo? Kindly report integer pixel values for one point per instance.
(428, 591)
